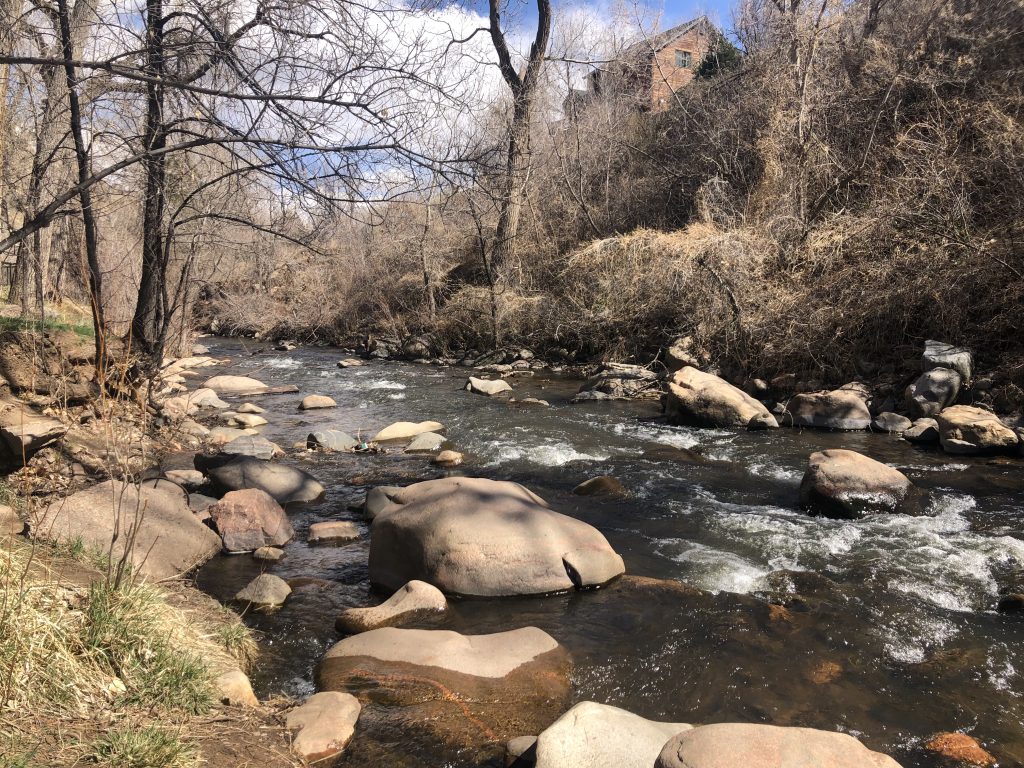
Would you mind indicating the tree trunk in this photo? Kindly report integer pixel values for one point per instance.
(513, 193)
(148, 327)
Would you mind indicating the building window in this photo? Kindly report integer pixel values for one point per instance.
(684, 59)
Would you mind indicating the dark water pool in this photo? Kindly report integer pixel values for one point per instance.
(888, 630)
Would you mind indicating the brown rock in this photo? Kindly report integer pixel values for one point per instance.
(704, 400)
(960, 747)
(234, 689)
(325, 723)
(447, 459)
(848, 485)
(964, 429)
(603, 485)
(414, 599)
(250, 519)
(312, 402)
(333, 531)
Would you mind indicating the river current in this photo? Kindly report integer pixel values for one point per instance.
(884, 628)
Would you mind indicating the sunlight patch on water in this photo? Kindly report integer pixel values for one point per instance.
(550, 454)
(713, 569)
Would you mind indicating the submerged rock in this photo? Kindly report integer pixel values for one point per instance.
(840, 409)
(604, 485)
(350, 362)
(489, 387)
(848, 485)
(285, 484)
(892, 423)
(960, 748)
(704, 400)
(461, 690)
(485, 538)
(742, 745)
(414, 599)
(964, 429)
(932, 391)
(592, 735)
(325, 723)
(428, 442)
(265, 591)
(250, 519)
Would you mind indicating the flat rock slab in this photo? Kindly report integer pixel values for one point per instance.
(485, 538)
(23, 432)
(234, 384)
(732, 745)
(406, 430)
(892, 423)
(256, 446)
(170, 539)
(701, 399)
(333, 531)
(286, 484)
(848, 485)
(414, 599)
(458, 690)
(250, 519)
(325, 723)
(592, 735)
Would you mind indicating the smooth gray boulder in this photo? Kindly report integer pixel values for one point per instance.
(255, 446)
(942, 355)
(414, 599)
(265, 591)
(331, 440)
(931, 392)
(489, 387)
(848, 485)
(964, 429)
(286, 484)
(743, 745)
(485, 538)
(592, 735)
(893, 423)
(169, 539)
(701, 399)
(428, 442)
(840, 409)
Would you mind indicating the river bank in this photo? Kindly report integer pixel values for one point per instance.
(883, 627)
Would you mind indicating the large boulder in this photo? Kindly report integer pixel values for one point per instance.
(414, 599)
(249, 519)
(704, 400)
(406, 430)
(325, 722)
(931, 392)
(254, 446)
(592, 735)
(265, 591)
(938, 354)
(23, 432)
(887, 421)
(732, 745)
(234, 384)
(460, 691)
(490, 387)
(378, 499)
(485, 538)
(618, 381)
(168, 538)
(285, 484)
(840, 409)
(848, 485)
(964, 429)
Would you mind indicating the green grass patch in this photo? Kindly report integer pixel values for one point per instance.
(16, 324)
(142, 747)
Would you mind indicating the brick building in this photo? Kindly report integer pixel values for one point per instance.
(650, 71)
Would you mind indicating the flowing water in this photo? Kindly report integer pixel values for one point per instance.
(887, 632)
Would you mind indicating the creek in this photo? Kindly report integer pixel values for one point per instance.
(884, 628)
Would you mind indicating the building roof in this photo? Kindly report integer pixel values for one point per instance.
(664, 39)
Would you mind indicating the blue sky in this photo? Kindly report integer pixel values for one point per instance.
(672, 11)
